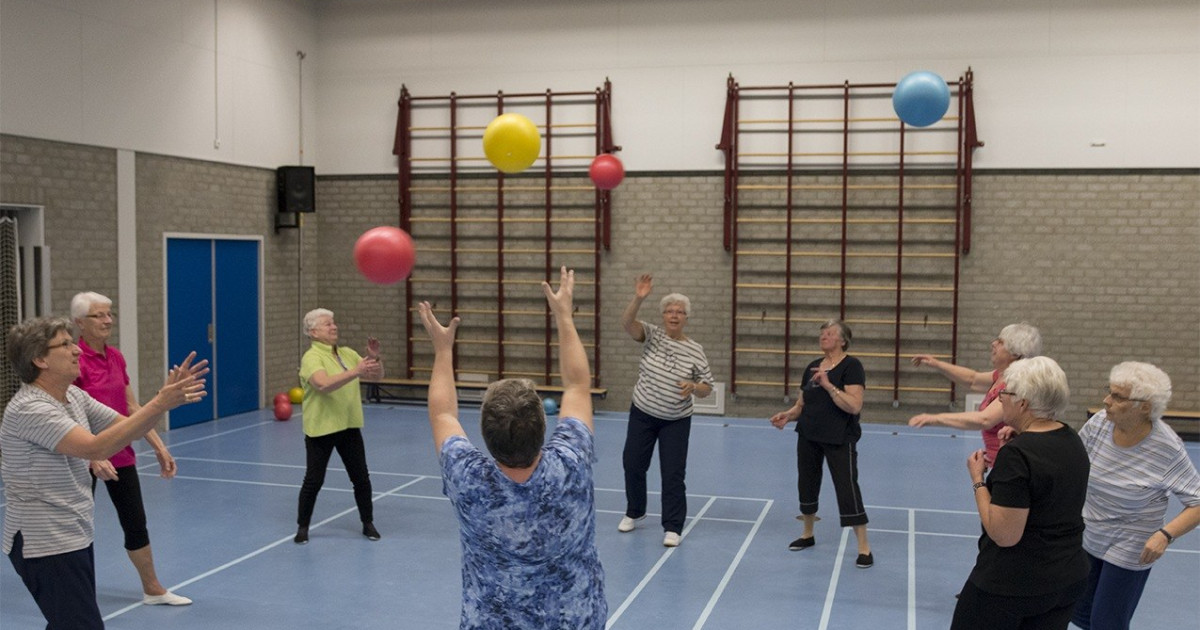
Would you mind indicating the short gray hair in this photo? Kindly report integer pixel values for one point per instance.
(82, 303)
(311, 317)
(1041, 382)
(675, 298)
(1145, 382)
(30, 340)
(1022, 339)
(843, 331)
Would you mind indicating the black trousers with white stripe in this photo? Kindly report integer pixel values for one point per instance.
(843, 470)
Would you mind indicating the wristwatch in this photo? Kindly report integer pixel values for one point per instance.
(977, 485)
(1164, 532)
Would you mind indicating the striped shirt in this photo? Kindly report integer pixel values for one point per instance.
(664, 363)
(48, 494)
(1128, 488)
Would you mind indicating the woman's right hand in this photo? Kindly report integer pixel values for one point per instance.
(780, 419)
(924, 359)
(643, 285)
(184, 383)
(923, 420)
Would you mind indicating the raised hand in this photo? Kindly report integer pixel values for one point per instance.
(184, 383)
(561, 301)
(643, 285)
(373, 347)
(441, 336)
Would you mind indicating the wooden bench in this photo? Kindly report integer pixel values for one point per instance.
(382, 389)
(1185, 423)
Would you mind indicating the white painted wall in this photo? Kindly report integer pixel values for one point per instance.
(177, 77)
(1052, 76)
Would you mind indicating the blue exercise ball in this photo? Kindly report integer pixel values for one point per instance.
(550, 406)
(921, 98)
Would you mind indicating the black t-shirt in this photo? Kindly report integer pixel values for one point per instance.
(1048, 474)
(821, 420)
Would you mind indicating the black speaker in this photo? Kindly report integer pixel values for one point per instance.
(296, 185)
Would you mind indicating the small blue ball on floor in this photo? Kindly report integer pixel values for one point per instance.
(550, 405)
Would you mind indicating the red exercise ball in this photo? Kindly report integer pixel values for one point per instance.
(283, 409)
(606, 171)
(385, 255)
(281, 397)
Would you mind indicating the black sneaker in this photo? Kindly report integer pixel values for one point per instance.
(370, 532)
(301, 536)
(802, 543)
(865, 561)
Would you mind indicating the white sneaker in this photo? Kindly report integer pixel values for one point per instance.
(628, 524)
(671, 539)
(166, 599)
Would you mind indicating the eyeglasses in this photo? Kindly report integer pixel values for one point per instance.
(66, 344)
(675, 311)
(1118, 398)
(1005, 392)
(107, 315)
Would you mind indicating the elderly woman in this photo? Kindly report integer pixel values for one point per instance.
(1137, 460)
(51, 429)
(673, 368)
(527, 513)
(103, 375)
(1015, 342)
(333, 418)
(1031, 567)
(826, 415)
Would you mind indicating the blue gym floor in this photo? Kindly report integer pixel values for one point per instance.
(222, 535)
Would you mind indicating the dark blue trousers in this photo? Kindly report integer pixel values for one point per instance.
(63, 585)
(643, 431)
(1111, 597)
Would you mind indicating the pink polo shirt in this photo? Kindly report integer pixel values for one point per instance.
(103, 375)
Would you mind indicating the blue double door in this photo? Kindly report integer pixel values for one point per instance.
(213, 309)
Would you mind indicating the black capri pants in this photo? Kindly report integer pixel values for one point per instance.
(126, 494)
(843, 470)
(318, 450)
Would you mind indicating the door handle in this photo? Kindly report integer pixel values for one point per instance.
(212, 333)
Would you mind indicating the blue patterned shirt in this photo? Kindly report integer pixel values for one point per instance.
(528, 549)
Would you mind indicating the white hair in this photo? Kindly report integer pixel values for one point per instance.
(675, 298)
(1041, 382)
(311, 317)
(1145, 382)
(1022, 339)
(82, 303)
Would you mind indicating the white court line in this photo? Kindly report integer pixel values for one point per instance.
(737, 559)
(912, 570)
(612, 618)
(256, 552)
(833, 580)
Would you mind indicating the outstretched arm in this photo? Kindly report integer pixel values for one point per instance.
(572, 360)
(976, 381)
(185, 384)
(629, 321)
(992, 415)
(443, 398)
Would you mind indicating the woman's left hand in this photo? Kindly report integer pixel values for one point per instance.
(166, 464)
(686, 388)
(976, 465)
(373, 347)
(1156, 546)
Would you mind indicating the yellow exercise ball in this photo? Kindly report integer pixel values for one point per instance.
(511, 143)
(296, 395)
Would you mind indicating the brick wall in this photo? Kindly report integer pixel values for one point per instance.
(77, 186)
(1107, 264)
